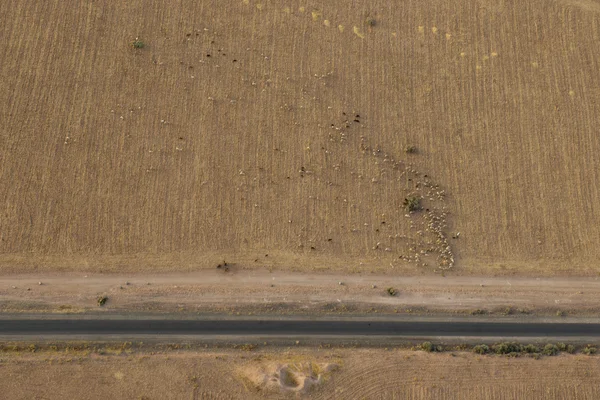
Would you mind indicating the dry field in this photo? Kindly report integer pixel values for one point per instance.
(274, 133)
(345, 374)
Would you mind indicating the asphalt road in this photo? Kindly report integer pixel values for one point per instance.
(239, 327)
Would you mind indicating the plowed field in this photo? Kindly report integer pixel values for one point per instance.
(288, 134)
(345, 374)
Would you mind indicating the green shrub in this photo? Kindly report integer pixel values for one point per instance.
(412, 203)
(102, 300)
(430, 347)
(481, 349)
(426, 346)
(561, 346)
(506, 348)
(138, 44)
(371, 21)
(410, 149)
(550, 349)
(531, 348)
(392, 291)
(570, 349)
(589, 350)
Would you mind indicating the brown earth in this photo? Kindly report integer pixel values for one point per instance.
(345, 373)
(248, 128)
(259, 292)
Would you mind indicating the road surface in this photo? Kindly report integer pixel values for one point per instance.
(305, 328)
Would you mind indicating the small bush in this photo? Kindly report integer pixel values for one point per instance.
(481, 349)
(138, 44)
(561, 346)
(102, 300)
(506, 348)
(478, 312)
(570, 349)
(589, 350)
(429, 347)
(426, 346)
(410, 149)
(392, 291)
(508, 311)
(371, 21)
(531, 348)
(550, 349)
(412, 203)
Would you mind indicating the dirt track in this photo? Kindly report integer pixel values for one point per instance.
(261, 291)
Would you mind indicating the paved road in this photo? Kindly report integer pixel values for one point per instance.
(239, 327)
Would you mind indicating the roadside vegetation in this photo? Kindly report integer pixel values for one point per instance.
(102, 300)
(513, 349)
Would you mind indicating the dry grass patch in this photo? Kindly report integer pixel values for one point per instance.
(363, 373)
(192, 148)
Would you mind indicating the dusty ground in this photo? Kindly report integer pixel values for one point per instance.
(261, 291)
(345, 374)
(274, 135)
(246, 128)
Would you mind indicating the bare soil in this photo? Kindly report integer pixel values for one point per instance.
(247, 128)
(358, 373)
(261, 291)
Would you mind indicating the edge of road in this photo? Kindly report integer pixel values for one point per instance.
(303, 317)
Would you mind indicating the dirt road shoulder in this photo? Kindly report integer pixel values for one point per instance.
(256, 291)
